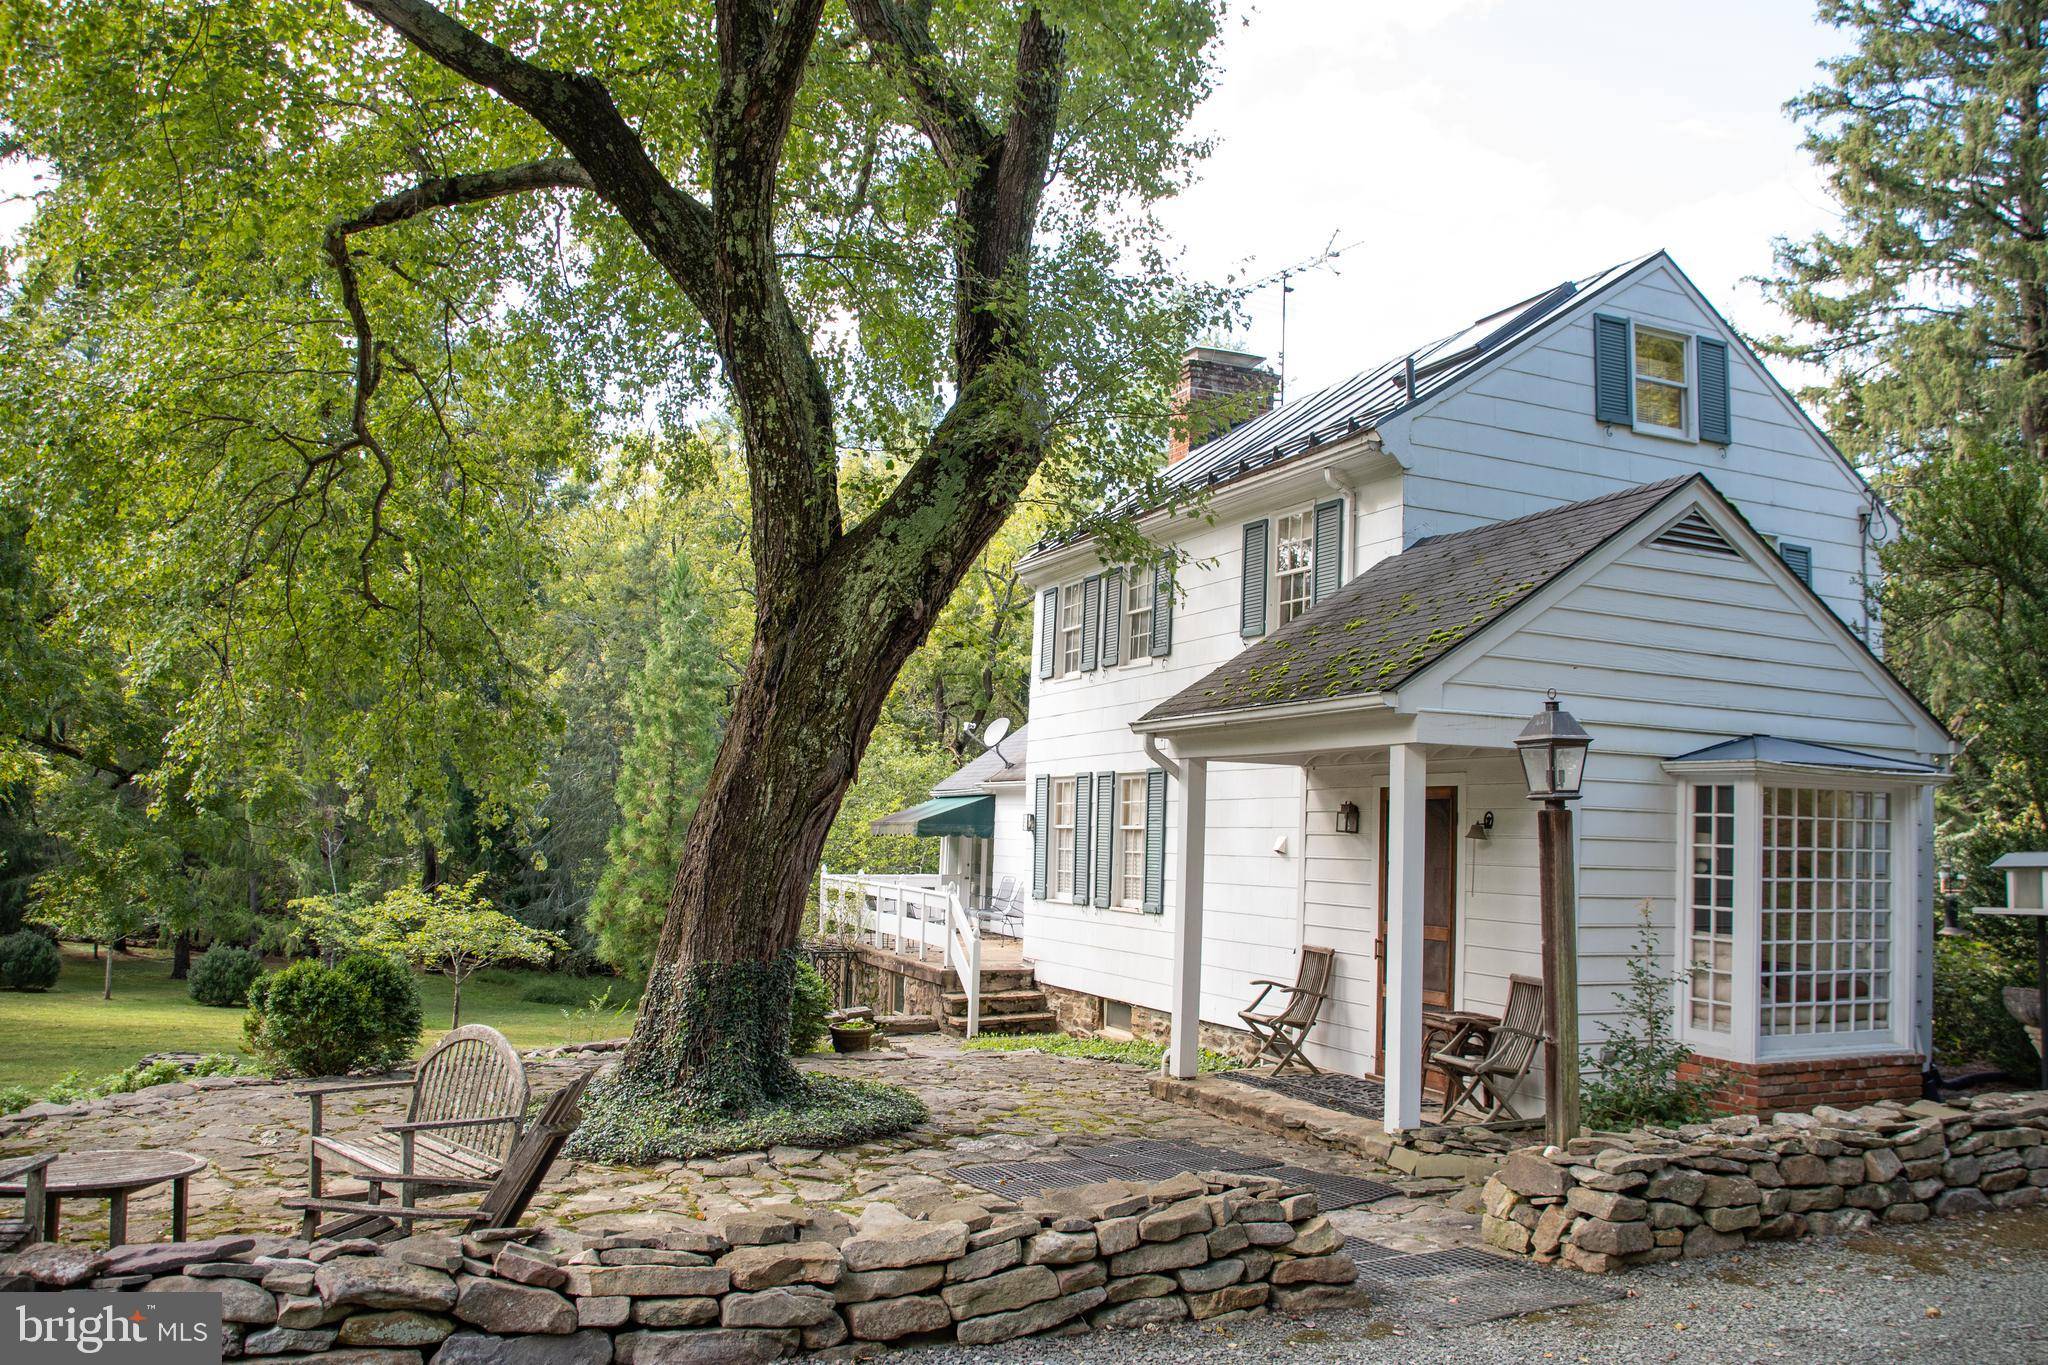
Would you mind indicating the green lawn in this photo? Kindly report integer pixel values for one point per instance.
(69, 1028)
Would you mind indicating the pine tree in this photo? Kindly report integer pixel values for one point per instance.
(677, 708)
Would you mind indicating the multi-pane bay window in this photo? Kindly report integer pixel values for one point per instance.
(1793, 934)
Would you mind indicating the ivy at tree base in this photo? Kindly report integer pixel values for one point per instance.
(631, 1122)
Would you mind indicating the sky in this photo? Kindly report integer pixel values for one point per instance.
(1478, 152)
(1481, 151)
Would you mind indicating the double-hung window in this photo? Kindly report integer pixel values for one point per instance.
(1130, 833)
(1294, 563)
(1137, 616)
(1071, 614)
(1662, 384)
(1063, 836)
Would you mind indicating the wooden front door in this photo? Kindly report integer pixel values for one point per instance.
(1439, 910)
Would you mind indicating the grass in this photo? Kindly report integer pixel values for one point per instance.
(69, 1028)
(1137, 1052)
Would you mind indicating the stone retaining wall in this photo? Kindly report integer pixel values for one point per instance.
(1605, 1203)
(767, 1283)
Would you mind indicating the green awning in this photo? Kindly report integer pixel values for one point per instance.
(974, 815)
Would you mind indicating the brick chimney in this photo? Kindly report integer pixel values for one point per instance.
(1219, 389)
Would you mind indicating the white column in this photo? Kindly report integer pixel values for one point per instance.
(1407, 811)
(1184, 1054)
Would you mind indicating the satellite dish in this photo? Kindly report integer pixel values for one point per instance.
(992, 734)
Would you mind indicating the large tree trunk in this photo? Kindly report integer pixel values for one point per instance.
(181, 955)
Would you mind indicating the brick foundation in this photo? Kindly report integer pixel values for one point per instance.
(1767, 1088)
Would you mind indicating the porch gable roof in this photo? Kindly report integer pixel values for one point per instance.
(1411, 609)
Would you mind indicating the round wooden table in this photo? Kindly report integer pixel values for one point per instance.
(113, 1176)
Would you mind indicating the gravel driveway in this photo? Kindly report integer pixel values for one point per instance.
(1962, 1292)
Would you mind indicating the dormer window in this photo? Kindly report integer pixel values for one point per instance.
(1662, 382)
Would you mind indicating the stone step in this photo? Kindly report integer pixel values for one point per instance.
(1039, 1021)
(997, 1001)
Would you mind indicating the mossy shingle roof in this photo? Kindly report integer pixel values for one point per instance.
(1411, 609)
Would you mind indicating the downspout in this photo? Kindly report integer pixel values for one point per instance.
(1158, 755)
(1349, 491)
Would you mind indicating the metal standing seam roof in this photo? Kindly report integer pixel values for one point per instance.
(1366, 399)
(1409, 610)
(1799, 753)
(1002, 763)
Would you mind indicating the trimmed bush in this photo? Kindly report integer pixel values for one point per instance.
(28, 962)
(222, 976)
(394, 1005)
(313, 1020)
(1972, 1027)
(809, 1002)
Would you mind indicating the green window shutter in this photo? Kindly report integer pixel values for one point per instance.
(1799, 559)
(1328, 573)
(1048, 629)
(1252, 574)
(1713, 363)
(1112, 618)
(1162, 609)
(1091, 621)
(1042, 799)
(1105, 837)
(1084, 839)
(1155, 841)
(1614, 392)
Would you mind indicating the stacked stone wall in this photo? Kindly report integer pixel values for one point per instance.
(1606, 1203)
(772, 1282)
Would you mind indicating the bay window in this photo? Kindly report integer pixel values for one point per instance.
(1793, 932)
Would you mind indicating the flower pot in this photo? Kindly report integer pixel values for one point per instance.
(852, 1039)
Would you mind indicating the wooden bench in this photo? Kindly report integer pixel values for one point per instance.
(466, 1106)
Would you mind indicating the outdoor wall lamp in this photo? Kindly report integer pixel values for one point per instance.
(1347, 818)
(1030, 823)
(1482, 828)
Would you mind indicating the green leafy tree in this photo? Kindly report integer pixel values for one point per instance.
(1928, 308)
(322, 301)
(451, 929)
(677, 704)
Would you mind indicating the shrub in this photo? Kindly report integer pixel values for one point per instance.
(394, 1005)
(73, 1086)
(15, 1097)
(1972, 1026)
(1637, 1079)
(809, 1002)
(222, 976)
(313, 1020)
(28, 962)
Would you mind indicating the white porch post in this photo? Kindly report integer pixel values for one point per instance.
(1184, 1054)
(1407, 810)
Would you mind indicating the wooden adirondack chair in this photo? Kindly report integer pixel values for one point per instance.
(1282, 1032)
(28, 1229)
(468, 1099)
(503, 1204)
(1482, 1081)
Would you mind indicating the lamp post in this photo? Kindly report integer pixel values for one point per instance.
(1553, 747)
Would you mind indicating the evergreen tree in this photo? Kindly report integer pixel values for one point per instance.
(1928, 307)
(677, 706)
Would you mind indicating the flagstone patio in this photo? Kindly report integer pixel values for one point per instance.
(986, 1107)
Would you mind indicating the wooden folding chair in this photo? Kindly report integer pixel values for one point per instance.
(1482, 1080)
(503, 1204)
(1282, 1032)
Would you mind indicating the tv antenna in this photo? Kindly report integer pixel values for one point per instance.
(1326, 259)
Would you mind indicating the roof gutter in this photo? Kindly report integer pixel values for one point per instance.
(1209, 720)
(1158, 755)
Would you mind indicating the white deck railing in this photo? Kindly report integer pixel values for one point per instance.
(912, 914)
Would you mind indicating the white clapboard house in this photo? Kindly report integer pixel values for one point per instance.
(1297, 727)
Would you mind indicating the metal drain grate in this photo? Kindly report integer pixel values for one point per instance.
(1459, 1288)
(1145, 1167)
(1190, 1156)
(1036, 1177)
(1333, 1191)
(1358, 1249)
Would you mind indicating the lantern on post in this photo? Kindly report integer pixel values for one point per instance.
(1553, 746)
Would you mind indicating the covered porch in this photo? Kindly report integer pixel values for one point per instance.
(1417, 868)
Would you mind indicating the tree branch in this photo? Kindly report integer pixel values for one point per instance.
(901, 37)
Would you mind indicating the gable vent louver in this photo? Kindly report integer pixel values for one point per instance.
(1694, 532)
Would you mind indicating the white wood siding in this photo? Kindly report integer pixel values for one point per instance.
(1520, 437)
(1755, 664)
